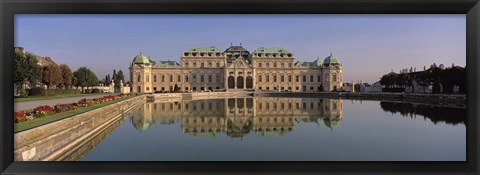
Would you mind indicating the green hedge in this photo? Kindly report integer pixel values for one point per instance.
(38, 91)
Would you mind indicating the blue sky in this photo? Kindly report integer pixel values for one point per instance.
(368, 45)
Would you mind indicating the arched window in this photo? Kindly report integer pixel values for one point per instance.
(334, 77)
(138, 78)
(148, 78)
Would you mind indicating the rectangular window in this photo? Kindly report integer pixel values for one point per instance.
(268, 78)
(289, 78)
(297, 78)
(259, 64)
(218, 64)
(154, 78)
(209, 78)
(311, 78)
(274, 64)
(334, 77)
(319, 78)
(282, 78)
(274, 78)
(186, 88)
(148, 78)
(289, 64)
(186, 78)
(138, 78)
(259, 78)
(304, 88)
(217, 77)
(163, 78)
(268, 64)
(194, 78)
(186, 64)
(311, 88)
(194, 64)
(202, 78)
(171, 78)
(210, 64)
(179, 78)
(202, 65)
(304, 79)
(194, 88)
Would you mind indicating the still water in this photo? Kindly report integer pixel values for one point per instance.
(284, 129)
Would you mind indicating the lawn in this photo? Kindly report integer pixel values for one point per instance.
(22, 126)
(34, 98)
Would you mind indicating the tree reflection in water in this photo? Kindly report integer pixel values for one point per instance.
(436, 114)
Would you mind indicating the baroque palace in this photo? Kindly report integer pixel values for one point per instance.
(209, 69)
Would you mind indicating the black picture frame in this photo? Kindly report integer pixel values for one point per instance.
(9, 8)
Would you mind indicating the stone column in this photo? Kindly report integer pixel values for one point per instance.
(245, 79)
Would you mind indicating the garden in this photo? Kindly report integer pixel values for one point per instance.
(26, 119)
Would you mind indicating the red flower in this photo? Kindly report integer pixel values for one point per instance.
(19, 116)
(45, 108)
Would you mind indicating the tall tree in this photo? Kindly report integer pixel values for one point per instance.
(84, 77)
(114, 76)
(119, 77)
(52, 75)
(107, 80)
(26, 69)
(66, 76)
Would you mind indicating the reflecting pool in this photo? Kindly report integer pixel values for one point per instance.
(283, 129)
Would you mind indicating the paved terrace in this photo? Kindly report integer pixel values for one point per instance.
(52, 102)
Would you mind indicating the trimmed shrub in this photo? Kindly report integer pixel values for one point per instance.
(37, 91)
(88, 91)
(95, 90)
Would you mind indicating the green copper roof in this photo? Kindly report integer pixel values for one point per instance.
(170, 63)
(141, 59)
(331, 123)
(331, 60)
(318, 62)
(211, 135)
(204, 49)
(270, 50)
(272, 133)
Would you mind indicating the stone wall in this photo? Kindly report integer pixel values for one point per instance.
(49, 141)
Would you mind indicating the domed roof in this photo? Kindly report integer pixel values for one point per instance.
(141, 59)
(331, 123)
(331, 60)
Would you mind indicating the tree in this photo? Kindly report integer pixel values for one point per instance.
(84, 77)
(114, 76)
(107, 79)
(119, 77)
(67, 76)
(52, 75)
(25, 69)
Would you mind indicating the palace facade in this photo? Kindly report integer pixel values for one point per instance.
(209, 69)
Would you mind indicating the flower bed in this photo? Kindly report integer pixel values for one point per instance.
(42, 111)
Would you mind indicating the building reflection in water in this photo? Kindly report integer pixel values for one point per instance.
(237, 117)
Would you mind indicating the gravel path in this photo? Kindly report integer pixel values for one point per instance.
(52, 102)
